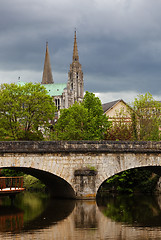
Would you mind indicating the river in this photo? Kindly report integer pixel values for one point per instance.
(36, 216)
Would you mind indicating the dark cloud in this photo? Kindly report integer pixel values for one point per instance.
(119, 41)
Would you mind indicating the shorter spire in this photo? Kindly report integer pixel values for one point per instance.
(47, 73)
(75, 49)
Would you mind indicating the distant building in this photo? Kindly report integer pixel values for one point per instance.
(116, 109)
(65, 94)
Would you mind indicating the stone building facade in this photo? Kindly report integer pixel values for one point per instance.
(65, 94)
(117, 110)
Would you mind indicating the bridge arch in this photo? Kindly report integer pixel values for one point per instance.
(81, 166)
(44, 168)
(153, 169)
(57, 186)
(118, 163)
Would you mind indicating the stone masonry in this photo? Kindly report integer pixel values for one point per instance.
(76, 169)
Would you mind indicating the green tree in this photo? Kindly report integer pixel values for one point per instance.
(82, 121)
(147, 112)
(72, 123)
(97, 123)
(25, 111)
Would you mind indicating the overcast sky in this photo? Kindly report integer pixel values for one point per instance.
(119, 43)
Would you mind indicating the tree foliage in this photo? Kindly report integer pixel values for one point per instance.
(24, 109)
(133, 180)
(71, 124)
(7, 172)
(147, 112)
(97, 123)
(82, 121)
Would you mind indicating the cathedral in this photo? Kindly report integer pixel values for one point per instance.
(65, 94)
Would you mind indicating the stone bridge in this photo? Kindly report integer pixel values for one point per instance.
(76, 169)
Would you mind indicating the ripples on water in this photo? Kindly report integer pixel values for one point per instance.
(36, 216)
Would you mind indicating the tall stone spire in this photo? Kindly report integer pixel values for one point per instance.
(75, 49)
(47, 73)
(75, 85)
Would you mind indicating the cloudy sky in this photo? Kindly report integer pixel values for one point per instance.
(119, 43)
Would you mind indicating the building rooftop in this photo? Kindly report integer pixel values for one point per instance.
(107, 106)
(55, 89)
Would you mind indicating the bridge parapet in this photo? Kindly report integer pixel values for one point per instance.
(79, 146)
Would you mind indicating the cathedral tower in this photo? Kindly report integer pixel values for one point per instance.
(47, 73)
(75, 86)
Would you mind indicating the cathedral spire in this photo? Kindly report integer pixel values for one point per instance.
(75, 86)
(75, 49)
(47, 73)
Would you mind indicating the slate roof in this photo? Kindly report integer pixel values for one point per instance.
(107, 106)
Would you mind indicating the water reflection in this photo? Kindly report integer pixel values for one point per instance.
(11, 219)
(119, 218)
(32, 211)
(136, 210)
(85, 215)
(55, 211)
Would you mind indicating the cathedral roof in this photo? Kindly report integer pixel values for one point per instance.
(55, 89)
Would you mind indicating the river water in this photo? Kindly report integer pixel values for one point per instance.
(36, 216)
